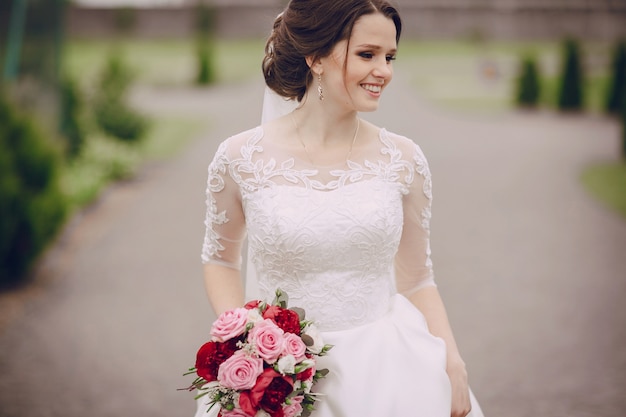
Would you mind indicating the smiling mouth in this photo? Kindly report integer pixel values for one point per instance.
(372, 88)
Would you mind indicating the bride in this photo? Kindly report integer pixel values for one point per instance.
(336, 212)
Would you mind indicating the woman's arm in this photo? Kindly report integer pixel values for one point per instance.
(225, 231)
(415, 276)
(429, 302)
(224, 287)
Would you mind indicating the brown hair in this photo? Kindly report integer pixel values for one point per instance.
(311, 28)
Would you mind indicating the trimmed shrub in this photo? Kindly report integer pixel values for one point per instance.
(528, 86)
(571, 94)
(623, 122)
(206, 65)
(617, 85)
(71, 126)
(205, 48)
(112, 113)
(32, 207)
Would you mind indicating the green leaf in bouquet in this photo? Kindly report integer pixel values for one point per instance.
(325, 349)
(308, 340)
(300, 312)
(281, 299)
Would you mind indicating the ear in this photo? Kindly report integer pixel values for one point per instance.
(315, 64)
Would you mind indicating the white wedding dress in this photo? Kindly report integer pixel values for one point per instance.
(347, 243)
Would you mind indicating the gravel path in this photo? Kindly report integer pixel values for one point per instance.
(531, 268)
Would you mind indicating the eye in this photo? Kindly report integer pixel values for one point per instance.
(390, 58)
(366, 55)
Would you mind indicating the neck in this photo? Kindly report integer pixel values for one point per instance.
(322, 124)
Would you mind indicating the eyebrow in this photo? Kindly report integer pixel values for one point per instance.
(375, 47)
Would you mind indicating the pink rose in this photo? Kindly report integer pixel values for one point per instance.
(295, 408)
(294, 346)
(231, 323)
(268, 339)
(240, 371)
(235, 412)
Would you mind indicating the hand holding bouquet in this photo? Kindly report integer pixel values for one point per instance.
(261, 361)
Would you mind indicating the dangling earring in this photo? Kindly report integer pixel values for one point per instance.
(320, 90)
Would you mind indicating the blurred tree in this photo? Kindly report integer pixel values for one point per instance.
(528, 86)
(617, 84)
(42, 41)
(205, 44)
(571, 94)
(32, 59)
(32, 208)
(16, 17)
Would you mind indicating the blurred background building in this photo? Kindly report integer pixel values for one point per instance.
(500, 19)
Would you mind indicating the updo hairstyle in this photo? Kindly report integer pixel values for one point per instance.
(311, 28)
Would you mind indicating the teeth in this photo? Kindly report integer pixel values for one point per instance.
(372, 88)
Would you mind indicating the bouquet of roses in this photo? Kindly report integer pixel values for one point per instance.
(261, 361)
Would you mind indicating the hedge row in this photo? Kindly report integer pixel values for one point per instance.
(32, 207)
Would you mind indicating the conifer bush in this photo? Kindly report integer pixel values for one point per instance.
(71, 125)
(617, 84)
(32, 207)
(113, 114)
(571, 91)
(205, 44)
(528, 84)
(623, 122)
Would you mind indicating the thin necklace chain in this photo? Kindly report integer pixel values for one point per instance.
(306, 151)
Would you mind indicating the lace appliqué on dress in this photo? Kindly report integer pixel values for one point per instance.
(329, 244)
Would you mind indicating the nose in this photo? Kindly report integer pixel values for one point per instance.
(383, 70)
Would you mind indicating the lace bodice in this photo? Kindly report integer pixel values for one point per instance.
(339, 240)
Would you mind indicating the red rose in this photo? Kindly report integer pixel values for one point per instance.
(252, 304)
(268, 391)
(305, 375)
(211, 355)
(288, 320)
(275, 396)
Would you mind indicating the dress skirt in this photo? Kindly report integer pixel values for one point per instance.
(390, 367)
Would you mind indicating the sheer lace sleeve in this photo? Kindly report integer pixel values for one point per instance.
(413, 264)
(224, 221)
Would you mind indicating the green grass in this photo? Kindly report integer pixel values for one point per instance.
(169, 63)
(481, 76)
(464, 75)
(105, 160)
(163, 62)
(608, 184)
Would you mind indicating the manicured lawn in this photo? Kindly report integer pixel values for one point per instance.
(105, 160)
(481, 76)
(464, 75)
(163, 62)
(608, 184)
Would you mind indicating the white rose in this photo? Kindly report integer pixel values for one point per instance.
(306, 364)
(287, 364)
(318, 343)
(261, 413)
(254, 316)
